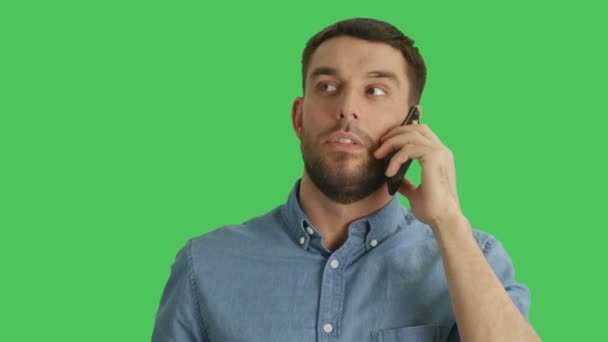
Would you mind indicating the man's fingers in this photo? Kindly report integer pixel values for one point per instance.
(409, 151)
(420, 128)
(398, 141)
(426, 131)
(397, 131)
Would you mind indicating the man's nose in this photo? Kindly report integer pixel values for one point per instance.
(348, 107)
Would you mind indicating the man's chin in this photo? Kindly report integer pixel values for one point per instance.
(349, 162)
(350, 190)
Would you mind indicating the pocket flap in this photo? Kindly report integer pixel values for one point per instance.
(421, 333)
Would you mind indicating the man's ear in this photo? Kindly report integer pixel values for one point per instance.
(296, 115)
(420, 113)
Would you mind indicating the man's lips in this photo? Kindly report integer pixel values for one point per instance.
(345, 141)
(344, 135)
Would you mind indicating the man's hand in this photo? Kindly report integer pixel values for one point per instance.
(483, 309)
(435, 200)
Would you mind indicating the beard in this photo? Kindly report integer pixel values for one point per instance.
(342, 176)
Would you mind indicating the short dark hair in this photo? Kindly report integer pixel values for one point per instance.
(372, 30)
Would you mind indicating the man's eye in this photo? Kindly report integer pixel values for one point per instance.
(376, 91)
(327, 87)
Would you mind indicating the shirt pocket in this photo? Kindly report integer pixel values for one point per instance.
(421, 333)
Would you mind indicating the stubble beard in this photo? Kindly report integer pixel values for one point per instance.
(342, 176)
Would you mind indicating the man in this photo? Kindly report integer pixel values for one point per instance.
(343, 260)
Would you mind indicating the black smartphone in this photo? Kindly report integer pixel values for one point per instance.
(394, 181)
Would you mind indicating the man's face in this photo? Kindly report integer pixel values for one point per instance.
(354, 87)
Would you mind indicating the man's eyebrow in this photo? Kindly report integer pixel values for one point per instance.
(323, 70)
(384, 74)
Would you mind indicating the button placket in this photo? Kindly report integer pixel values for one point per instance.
(330, 306)
(332, 292)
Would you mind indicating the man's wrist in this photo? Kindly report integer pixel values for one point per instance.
(452, 225)
(450, 219)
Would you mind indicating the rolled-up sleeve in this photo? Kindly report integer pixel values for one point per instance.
(500, 262)
(179, 318)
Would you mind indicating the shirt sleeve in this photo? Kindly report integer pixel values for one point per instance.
(179, 318)
(499, 260)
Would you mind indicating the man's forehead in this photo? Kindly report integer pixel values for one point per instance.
(353, 56)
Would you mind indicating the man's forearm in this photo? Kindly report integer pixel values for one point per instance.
(483, 309)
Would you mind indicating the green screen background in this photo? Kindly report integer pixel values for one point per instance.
(127, 128)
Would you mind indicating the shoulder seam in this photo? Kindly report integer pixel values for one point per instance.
(193, 288)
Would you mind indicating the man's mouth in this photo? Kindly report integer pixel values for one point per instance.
(345, 141)
(342, 137)
(345, 145)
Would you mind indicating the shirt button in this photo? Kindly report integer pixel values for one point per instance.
(328, 328)
(309, 231)
(374, 243)
(334, 264)
(302, 240)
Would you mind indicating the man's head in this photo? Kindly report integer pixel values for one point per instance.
(359, 77)
(373, 31)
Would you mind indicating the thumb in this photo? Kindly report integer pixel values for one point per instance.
(407, 188)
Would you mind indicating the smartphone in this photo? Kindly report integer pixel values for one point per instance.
(394, 181)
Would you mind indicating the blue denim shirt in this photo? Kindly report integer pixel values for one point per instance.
(272, 279)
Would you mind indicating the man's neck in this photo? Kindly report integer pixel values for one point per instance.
(331, 218)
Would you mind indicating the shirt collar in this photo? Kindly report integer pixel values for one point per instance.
(377, 227)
